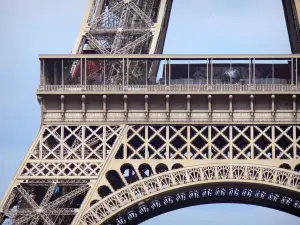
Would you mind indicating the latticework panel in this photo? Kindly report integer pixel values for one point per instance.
(71, 151)
(45, 202)
(211, 142)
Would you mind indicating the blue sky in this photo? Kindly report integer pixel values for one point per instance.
(31, 27)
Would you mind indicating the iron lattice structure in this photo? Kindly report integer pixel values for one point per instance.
(124, 27)
(117, 147)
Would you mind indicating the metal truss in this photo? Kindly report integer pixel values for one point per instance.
(135, 194)
(71, 151)
(58, 173)
(49, 203)
(123, 27)
(107, 30)
(211, 142)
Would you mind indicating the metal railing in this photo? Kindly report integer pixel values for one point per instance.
(172, 88)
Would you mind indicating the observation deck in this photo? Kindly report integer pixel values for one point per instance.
(185, 88)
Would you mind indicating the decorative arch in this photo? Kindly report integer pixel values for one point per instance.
(203, 184)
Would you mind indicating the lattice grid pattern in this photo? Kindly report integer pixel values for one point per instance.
(211, 142)
(71, 151)
(45, 202)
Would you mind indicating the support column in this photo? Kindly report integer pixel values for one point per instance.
(273, 107)
(104, 98)
(83, 98)
(83, 141)
(294, 142)
(252, 141)
(125, 107)
(62, 106)
(41, 102)
(295, 106)
(209, 107)
(252, 107)
(273, 156)
(85, 73)
(209, 142)
(230, 107)
(168, 106)
(146, 107)
(188, 98)
(62, 74)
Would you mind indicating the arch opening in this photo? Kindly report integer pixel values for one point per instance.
(114, 179)
(238, 193)
(266, 186)
(129, 173)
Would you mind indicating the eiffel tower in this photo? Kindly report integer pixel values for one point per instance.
(118, 146)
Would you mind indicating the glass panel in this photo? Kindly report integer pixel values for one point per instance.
(94, 71)
(263, 72)
(114, 72)
(282, 71)
(52, 72)
(72, 72)
(197, 72)
(222, 72)
(137, 73)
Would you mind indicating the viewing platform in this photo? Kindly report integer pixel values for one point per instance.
(153, 89)
(169, 73)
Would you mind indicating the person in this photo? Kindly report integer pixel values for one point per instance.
(243, 82)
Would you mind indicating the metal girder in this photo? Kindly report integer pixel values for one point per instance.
(67, 197)
(118, 38)
(133, 31)
(93, 42)
(133, 44)
(97, 21)
(24, 219)
(141, 13)
(48, 194)
(27, 197)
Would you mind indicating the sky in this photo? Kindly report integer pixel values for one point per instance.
(33, 27)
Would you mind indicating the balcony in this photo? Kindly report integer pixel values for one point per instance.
(169, 73)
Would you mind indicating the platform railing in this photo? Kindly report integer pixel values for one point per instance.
(172, 88)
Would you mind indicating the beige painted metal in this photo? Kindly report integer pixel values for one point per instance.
(182, 178)
(84, 24)
(297, 4)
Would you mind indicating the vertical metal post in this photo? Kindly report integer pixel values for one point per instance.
(188, 74)
(296, 72)
(44, 77)
(123, 74)
(147, 74)
(273, 72)
(85, 72)
(230, 67)
(165, 75)
(252, 141)
(81, 72)
(169, 63)
(104, 74)
(62, 74)
(254, 82)
(250, 63)
(292, 65)
(207, 71)
(211, 71)
(127, 69)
